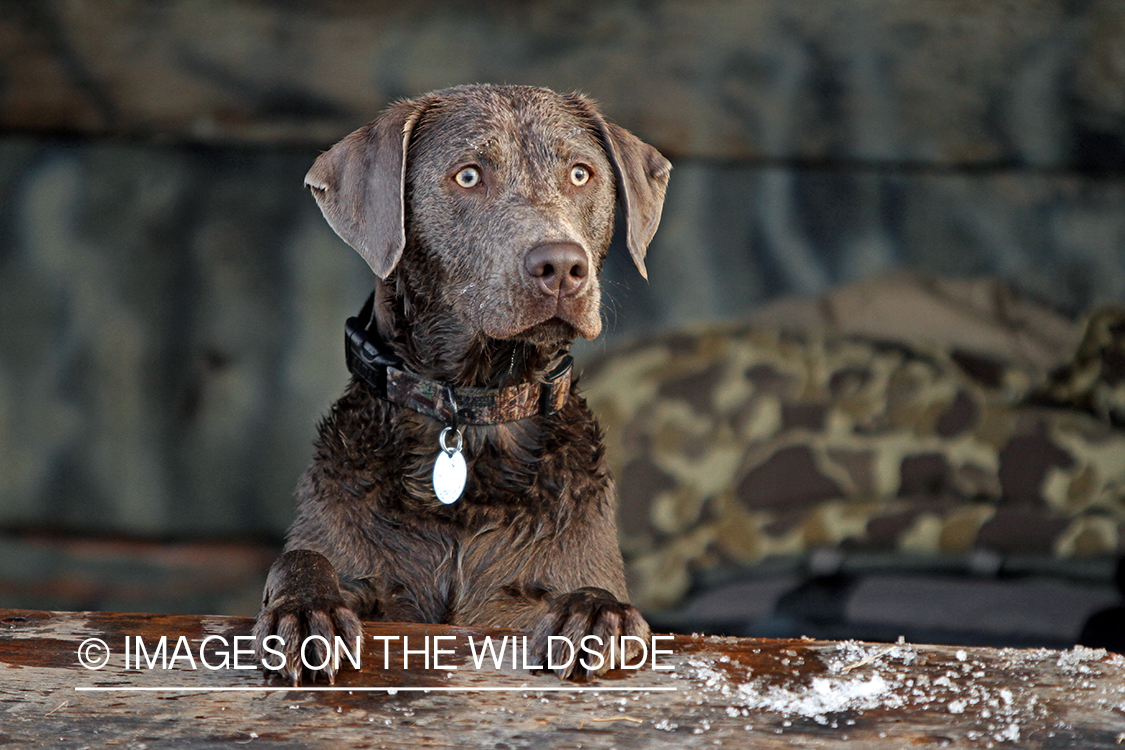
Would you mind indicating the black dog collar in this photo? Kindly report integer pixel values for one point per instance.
(369, 359)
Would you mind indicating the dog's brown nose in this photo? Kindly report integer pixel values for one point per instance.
(559, 268)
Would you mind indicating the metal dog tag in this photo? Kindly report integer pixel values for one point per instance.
(449, 470)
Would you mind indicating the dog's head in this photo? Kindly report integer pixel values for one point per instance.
(496, 202)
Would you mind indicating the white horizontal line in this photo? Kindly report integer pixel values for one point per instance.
(340, 689)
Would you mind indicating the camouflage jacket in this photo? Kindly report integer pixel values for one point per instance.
(734, 445)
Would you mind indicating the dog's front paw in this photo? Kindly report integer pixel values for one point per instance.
(587, 611)
(302, 599)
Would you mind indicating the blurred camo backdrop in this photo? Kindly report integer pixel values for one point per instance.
(172, 306)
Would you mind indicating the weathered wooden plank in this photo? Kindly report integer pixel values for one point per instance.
(720, 692)
(979, 82)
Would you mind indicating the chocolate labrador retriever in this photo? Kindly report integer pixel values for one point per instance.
(461, 478)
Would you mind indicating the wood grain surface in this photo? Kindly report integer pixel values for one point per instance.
(718, 692)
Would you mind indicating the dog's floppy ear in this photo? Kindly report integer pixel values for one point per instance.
(359, 184)
(642, 179)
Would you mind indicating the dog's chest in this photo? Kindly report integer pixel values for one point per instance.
(525, 472)
(450, 574)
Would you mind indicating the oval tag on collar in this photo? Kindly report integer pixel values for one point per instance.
(449, 476)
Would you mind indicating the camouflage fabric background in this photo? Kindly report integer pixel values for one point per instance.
(738, 444)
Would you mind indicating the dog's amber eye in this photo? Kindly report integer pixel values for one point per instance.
(579, 174)
(467, 177)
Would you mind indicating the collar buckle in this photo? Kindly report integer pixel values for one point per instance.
(555, 389)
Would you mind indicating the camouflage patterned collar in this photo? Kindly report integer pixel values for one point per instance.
(386, 375)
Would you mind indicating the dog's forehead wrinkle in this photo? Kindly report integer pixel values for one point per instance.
(523, 139)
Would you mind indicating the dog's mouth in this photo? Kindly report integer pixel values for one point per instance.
(557, 323)
(546, 321)
(551, 332)
(527, 311)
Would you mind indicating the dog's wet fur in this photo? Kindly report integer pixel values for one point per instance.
(483, 278)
